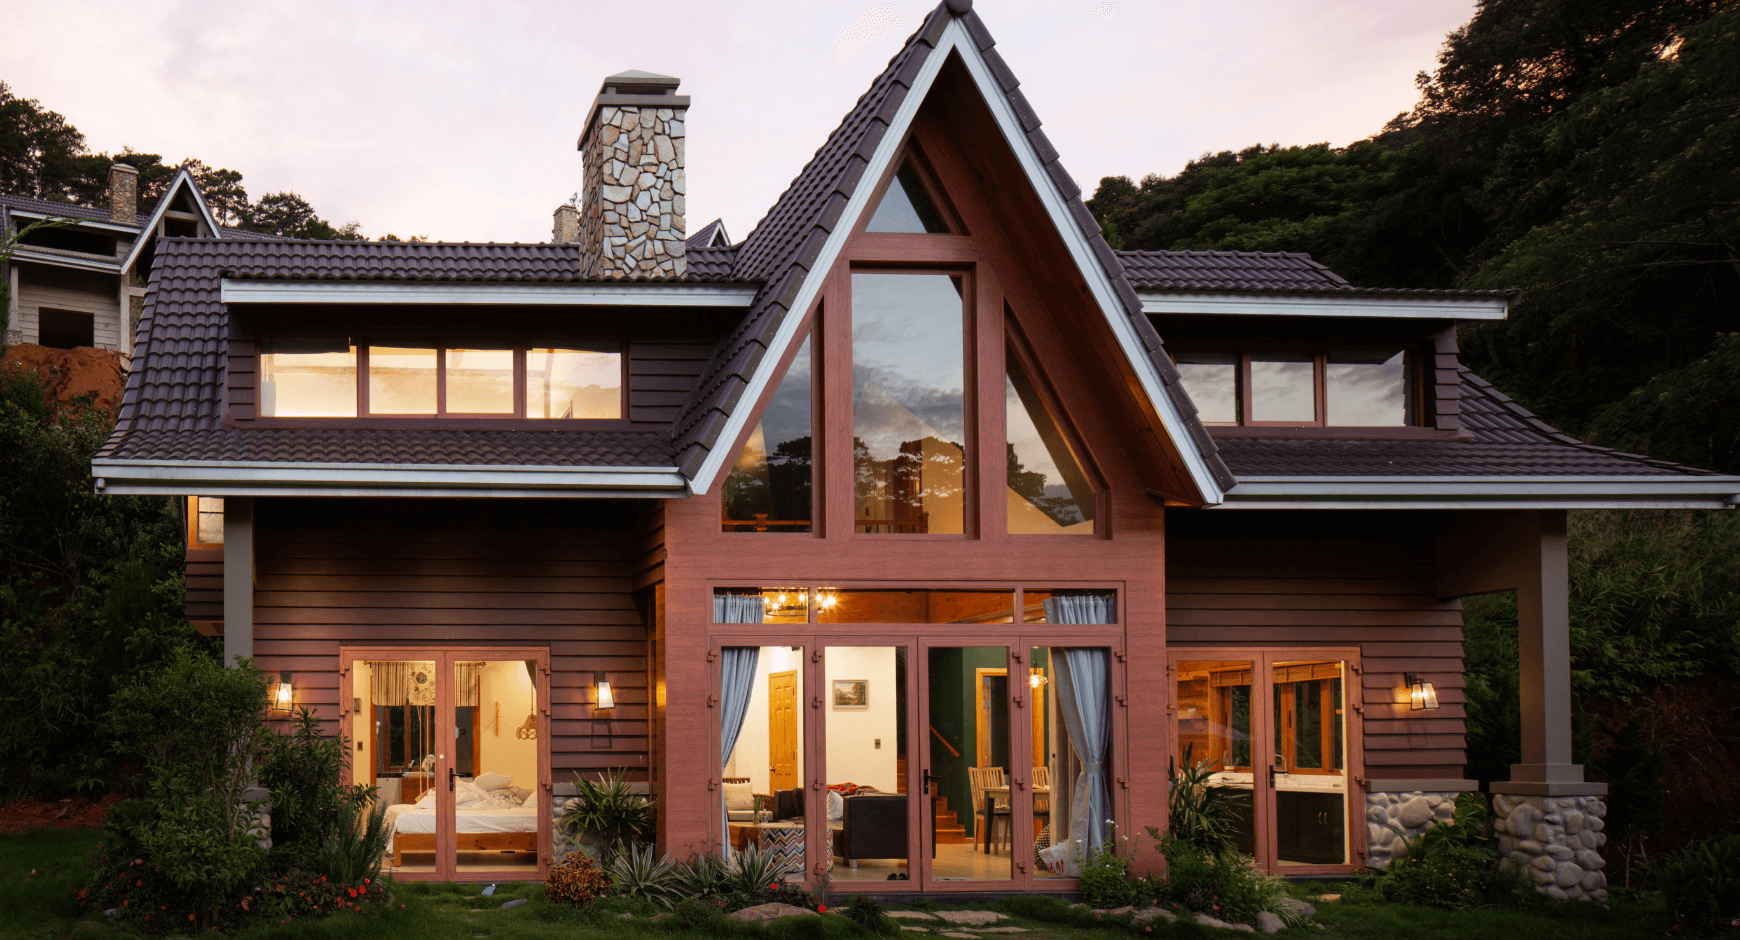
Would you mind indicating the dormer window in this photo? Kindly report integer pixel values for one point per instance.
(1301, 387)
(342, 377)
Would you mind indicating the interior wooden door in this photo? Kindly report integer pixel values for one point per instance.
(782, 731)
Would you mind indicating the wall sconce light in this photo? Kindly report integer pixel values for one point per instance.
(603, 698)
(284, 694)
(1421, 695)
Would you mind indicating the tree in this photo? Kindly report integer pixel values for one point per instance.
(42, 155)
(291, 216)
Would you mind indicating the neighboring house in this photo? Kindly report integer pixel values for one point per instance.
(82, 283)
(897, 512)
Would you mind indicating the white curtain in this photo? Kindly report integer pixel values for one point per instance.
(738, 608)
(736, 684)
(414, 683)
(1084, 680)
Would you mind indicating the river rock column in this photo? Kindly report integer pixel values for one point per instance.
(633, 203)
(1392, 820)
(1560, 837)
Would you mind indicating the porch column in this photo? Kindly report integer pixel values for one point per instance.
(238, 578)
(1546, 812)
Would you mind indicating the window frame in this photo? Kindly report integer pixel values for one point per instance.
(810, 329)
(193, 539)
(442, 418)
(1319, 352)
(1015, 344)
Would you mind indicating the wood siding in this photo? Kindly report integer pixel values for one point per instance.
(205, 584)
(449, 573)
(41, 286)
(1304, 579)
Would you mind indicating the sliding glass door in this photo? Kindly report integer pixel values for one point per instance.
(456, 744)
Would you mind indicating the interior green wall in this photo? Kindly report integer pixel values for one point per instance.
(952, 712)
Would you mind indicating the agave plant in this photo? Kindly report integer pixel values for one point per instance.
(1200, 813)
(639, 873)
(611, 812)
(706, 876)
(757, 869)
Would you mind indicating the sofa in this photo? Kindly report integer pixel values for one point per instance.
(872, 825)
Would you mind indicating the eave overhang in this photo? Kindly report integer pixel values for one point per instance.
(66, 260)
(77, 222)
(264, 478)
(1516, 492)
(604, 294)
(1325, 305)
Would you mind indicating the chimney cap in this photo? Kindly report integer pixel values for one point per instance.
(633, 88)
(118, 165)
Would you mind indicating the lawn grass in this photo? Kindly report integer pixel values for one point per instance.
(42, 908)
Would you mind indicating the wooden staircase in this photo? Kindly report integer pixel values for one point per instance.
(949, 830)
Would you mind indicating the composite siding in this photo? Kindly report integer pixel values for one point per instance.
(1371, 589)
(40, 286)
(565, 588)
(205, 584)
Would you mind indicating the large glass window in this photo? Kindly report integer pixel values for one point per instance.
(318, 377)
(909, 407)
(1342, 387)
(574, 380)
(308, 377)
(770, 489)
(1048, 493)
(906, 207)
(915, 605)
(761, 728)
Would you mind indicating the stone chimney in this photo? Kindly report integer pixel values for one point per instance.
(567, 228)
(123, 193)
(632, 203)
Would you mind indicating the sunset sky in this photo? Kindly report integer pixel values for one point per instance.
(458, 120)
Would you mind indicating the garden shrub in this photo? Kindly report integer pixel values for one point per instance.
(1199, 813)
(575, 881)
(866, 912)
(312, 811)
(639, 872)
(612, 905)
(1701, 883)
(611, 813)
(1455, 867)
(1105, 878)
(1223, 885)
(700, 914)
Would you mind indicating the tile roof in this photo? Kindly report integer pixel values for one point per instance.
(1508, 441)
(1250, 272)
(398, 446)
(63, 209)
(704, 237)
(786, 242)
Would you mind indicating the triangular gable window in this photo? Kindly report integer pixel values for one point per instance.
(907, 206)
(1048, 492)
(770, 488)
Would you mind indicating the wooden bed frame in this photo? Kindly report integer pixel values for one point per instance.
(468, 842)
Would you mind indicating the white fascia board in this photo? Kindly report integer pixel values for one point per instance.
(65, 261)
(1280, 305)
(208, 477)
(1476, 504)
(243, 291)
(1592, 492)
(82, 223)
(955, 38)
(150, 225)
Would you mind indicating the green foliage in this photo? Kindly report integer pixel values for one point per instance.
(610, 812)
(755, 871)
(1455, 866)
(1203, 815)
(200, 729)
(576, 880)
(868, 913)
(291, 216)
(639, 872)
(700, 914)
(350, 851)
(91, 591)
(1702, 882)
(1105, 878)
(1689, 415)
(1224, 884)
(314, 816)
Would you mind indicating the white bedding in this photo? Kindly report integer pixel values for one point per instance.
(421, 819)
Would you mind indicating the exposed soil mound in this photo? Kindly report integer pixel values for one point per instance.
(76, 812)
(69, 373)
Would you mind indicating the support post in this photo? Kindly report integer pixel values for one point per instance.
(238, 578)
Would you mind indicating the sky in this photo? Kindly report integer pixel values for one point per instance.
(458, 120)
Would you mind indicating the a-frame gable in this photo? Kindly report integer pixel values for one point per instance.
(808, 228)
(183, 181)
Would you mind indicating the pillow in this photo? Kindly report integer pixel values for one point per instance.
(836, 806)
(427, 798)
(739, 797)
(467, 794)
(490, 780)
(522, 792)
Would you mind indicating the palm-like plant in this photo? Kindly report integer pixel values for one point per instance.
(1200, 813)
(641, 873)
(611, 813)
(757, 869)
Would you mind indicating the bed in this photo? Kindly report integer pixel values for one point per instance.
(498, 820)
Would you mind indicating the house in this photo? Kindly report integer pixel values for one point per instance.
(82, 282)
(898, 514)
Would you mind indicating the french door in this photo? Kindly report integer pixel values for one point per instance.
(456, 743)
(1279, 730)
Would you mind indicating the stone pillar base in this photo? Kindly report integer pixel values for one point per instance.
(1392, 820)
(1559, 837)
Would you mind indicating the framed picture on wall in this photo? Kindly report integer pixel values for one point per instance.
(851, 693)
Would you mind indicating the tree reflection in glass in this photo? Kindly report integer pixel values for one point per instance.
(908, 403)
(769, 488)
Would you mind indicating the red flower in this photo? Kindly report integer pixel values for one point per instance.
(190, 917)
(125, 902)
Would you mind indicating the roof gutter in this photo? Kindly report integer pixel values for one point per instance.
(271, 478)
(76, 220)
(649, 294)
(23, 253)
(1327, 304)
(1541, 492)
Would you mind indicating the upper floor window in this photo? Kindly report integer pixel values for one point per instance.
(1048, 492)
(205, 522)
(771, 487)
(907, 206)
(909, 404)
(1333, 387)
(340, 377)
